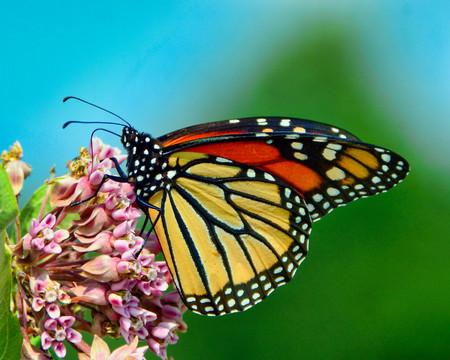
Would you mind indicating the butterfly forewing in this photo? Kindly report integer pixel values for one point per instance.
(326, 171)
(232, 233)
(332, 172)
(237, 127)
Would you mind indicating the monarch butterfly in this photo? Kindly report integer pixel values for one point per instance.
(232, 202)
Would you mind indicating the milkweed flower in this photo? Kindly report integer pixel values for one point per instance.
(58, 330)
(85, 269)
(16, 169)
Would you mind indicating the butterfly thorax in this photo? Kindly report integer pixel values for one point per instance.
(145, 163)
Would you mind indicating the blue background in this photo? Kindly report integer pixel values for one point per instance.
(376, 282)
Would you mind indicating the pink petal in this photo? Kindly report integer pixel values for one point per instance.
(110, 186)
(126, 214)
(125, 323)
(171, 311)
(93, 220)
(51, 324)
(39, 280)
(122, 229)
(62, 191)
(53, 311)
(120, 285)
(60, 349)
(124, 267)
(148, 316)
(73, 336)
(16, 175)
(111, 201)
(142, 333)
(90, 291)
(121, 245)
(34, 228)
(146, 259)
(145, 287)
(136, 311)
(115, 299)
(139, 353)
(96, 177)
(66, 321)
(37, 243)
(157, 348)
(160, 332)
(46, 340)
(63, 297)
(37, 303)
(52, 248)
(160, 284)
(60, 235)
(49, 221)
(122, 310)
(103, 268)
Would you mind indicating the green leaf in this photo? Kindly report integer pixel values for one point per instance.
(10, 334)
(8, 203)
(32, 208)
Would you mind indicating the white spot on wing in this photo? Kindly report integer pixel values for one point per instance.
(223, 160)
(285, 122)
(386, 157)
(317, 197)
(300, 156)
(329, 154)
(171, 174)
(261, 121)
(332, 191)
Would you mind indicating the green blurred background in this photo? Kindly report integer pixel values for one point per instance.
(376, 284)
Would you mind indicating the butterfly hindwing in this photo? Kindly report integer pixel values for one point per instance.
(231, 233)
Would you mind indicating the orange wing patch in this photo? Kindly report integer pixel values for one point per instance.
(190, 137)
(301, 177)
(247, 152)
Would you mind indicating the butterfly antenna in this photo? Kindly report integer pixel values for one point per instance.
(90, 122)
(98, 107)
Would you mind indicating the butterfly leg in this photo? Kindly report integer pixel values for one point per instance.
(143, 226)
(144, 206)
(152, 226)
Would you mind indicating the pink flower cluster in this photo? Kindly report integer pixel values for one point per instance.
(114, 293)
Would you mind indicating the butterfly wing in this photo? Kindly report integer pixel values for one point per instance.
(252, 125)
(241, 195)
(231, 233)
(327, 171)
